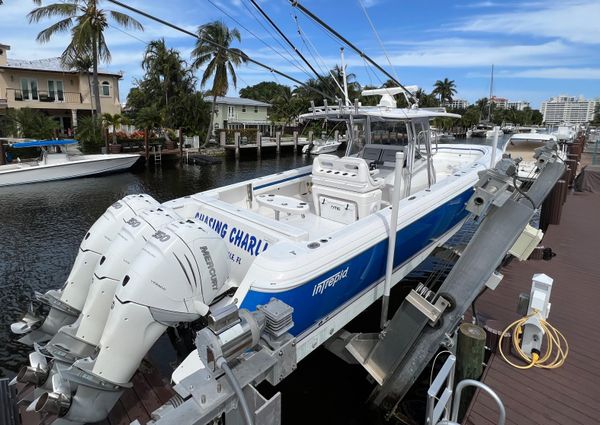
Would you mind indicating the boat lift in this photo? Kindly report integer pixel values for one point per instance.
(241, 349)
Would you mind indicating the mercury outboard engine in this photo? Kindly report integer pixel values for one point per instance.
(174, 279)
(79, 340)
(66, 303)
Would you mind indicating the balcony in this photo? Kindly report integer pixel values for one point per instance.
(40, 96)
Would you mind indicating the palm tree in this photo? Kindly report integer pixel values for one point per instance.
(113, 120)
(87, 23)
(213, 48)
(81, 62)
(445, 89)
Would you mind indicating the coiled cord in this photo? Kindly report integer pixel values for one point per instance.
(557, 347)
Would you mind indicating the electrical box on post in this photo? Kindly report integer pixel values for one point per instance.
(526, 243)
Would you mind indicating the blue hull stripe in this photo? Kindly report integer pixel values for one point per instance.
(362, 271)
(262, 186)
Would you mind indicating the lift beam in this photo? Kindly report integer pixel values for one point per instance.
(407, 345)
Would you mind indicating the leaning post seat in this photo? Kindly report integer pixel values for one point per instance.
(343, 189)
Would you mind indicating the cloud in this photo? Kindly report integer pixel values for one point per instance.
(559, 73)
(477, 5)
(575, 21)
(464, 53)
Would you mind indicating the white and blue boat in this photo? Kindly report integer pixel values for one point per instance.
(57, 163)
(315, 238)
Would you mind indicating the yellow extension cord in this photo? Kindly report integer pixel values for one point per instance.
(555, 344)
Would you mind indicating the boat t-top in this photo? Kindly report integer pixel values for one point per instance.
(316, 239)
(56, 163)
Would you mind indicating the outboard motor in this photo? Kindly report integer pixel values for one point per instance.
(79, 340)
(66, 303)
(174, 279)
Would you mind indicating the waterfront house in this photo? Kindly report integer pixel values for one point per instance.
(46, 85)
(236, 113)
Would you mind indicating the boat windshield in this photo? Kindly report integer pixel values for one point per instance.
(384, 132)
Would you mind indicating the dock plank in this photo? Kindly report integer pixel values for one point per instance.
(568, 395)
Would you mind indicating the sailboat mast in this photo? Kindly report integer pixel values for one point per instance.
(490, 99)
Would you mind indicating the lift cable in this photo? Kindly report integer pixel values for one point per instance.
(232, 51)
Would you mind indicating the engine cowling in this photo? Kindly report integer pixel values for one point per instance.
(174, 279)
(66, 304)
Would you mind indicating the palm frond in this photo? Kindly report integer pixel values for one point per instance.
(60, 26)
(126, 21)
(63, 10)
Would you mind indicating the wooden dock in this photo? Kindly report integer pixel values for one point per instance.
(570, 394)
(150, 391)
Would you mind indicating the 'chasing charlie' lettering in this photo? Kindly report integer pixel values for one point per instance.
(243, 240)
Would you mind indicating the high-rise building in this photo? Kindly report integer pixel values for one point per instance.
(457, 104)
(568, 109)
(519, 105)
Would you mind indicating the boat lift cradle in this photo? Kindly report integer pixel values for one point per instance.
(395, 357)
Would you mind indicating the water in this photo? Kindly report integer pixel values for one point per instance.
(41, 226)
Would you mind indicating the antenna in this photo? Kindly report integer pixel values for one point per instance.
(346, 97)
(491, 91)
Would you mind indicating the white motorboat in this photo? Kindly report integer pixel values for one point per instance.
(320, 146)
(524, 145)
(315, 238)
(55, 163)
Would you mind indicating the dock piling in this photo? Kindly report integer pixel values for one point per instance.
(236, 140)
(470, 354)
(259, 142)
(278, 140)
(295, 141)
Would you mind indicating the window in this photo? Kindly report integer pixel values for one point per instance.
(244, 108)
(231, 112)
(29, 89)
(105, 88)
(56, 91)
(256, 109)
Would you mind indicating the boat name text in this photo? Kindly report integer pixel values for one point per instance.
(330, 282)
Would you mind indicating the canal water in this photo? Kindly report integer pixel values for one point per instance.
(41, 227)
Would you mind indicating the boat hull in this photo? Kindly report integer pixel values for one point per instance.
(320, 296)
(91, 165)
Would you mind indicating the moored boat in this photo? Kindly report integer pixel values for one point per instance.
(56, 163)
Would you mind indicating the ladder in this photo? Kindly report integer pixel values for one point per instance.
(157, 153)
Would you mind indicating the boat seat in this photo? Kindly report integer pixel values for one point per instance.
(280, 203)
(347, 173)
(344, 189)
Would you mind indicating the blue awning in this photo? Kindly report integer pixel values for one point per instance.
(40, 143)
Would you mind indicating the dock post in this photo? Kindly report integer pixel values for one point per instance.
(259, 142)
(278, 140)
(222, 138)
(2, 157)
(470, 354)
(311, 136)
(572, 168)
(295, 141)
(552, 206)
(180, 144)
(147, 152)
(336, 135)
(236, 139)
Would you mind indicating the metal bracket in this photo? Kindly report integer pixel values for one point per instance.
(420, 297)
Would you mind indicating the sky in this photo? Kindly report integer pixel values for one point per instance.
(539, 49)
